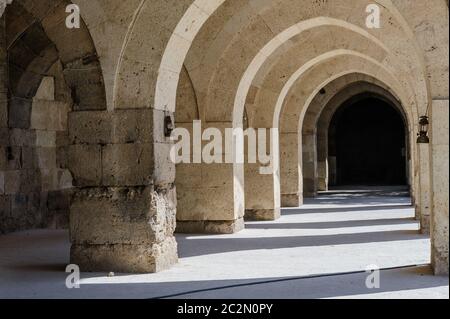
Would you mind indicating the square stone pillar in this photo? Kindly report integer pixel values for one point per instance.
(440, 186)
(210, 196)
(322, 161)
(310, 177)
(424, 209)
(262, 191)
(122, 215)
(290, 170)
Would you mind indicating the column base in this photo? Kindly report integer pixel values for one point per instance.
(440, 263)
(291, 200)
(262, 214)
(210, 227)
(322, 185)
(124, 258)
(425, 227)
(309, 194)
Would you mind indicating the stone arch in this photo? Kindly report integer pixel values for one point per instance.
(292, 192)
(188, 28)
(138, 71)
(49, 79)
(323, 120)
(44, 24)
(257, 64)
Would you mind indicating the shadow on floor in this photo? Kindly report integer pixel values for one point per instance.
(331, 225)
(404, 280)
(190, 246)
(308, 210)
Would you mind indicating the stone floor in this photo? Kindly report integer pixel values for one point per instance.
(331, 240)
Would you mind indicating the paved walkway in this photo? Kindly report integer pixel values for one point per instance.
(332, 239)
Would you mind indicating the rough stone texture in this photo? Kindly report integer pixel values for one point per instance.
(206, 192)
(100, 216)
(117, 76)
(260, 195)
(290, 170)
(125, 258)
(262, 214)
(440, 160)
(424, 211)
(123, 229)
(210, 227)
(291, 200)
(85, 162)
(127, 164)
(29, 172)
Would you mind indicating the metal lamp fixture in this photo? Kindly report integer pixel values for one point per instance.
(168, 126)
(424, 124)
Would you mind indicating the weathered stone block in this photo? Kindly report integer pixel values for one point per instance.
(127, 164)
(200, 204)
(13, 180)
(49, 115)
(291, 200)
(90, 127)
(141, 258)
(118, 127)
(85, 164)
(19, 113)
(262, 214)
(130, 126)
(87, 87)
(164, 171)
(29, 158)
(210, 227)
(46, 157)
(45, 138)
(130, 216)
(62, 138)
(20, 137)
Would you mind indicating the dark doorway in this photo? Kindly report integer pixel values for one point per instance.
(367, 136)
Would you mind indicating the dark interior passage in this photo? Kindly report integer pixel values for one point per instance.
(367, 136)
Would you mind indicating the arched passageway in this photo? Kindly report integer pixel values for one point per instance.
(367, 138)
(134, 70)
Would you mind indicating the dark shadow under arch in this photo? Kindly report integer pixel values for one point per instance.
(368, 137)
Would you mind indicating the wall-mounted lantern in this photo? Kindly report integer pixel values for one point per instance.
(424, 124)
(168, 126)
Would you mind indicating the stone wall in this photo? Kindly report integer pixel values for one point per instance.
(35, 184)
(440, 178)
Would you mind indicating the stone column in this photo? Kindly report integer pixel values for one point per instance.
(210, 196)
(440, 186)
(262, 191)
(310, 164)
(424, 210)
(122, 216)
(322, 161)
(290, 170)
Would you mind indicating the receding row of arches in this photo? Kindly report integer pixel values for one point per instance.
(345, 100)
